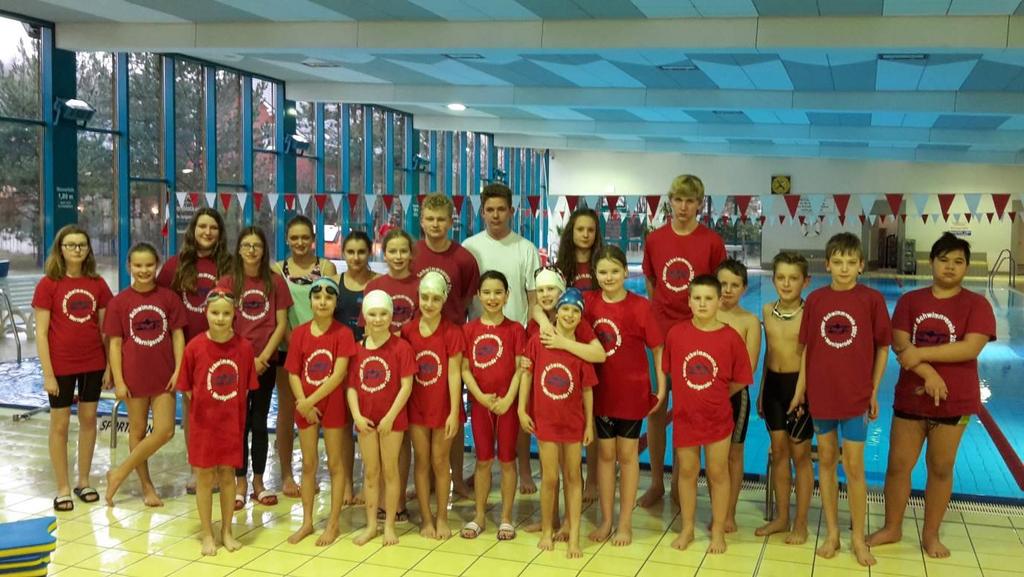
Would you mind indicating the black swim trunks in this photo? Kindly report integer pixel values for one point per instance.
(778, 392)
(740, 401)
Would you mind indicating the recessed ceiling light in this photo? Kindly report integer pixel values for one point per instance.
(465, 56)
(456, 106)
(186, 171)
(678, 67)
(903, 57)
(727, 112)
(317, 63)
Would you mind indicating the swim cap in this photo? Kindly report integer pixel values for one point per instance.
(434, 283)
(377, 299)
(323, 283)
(548, 277)
(572, 297)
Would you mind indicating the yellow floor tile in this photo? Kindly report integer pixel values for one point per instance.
(557, 558)
(995, 573)
(375, 571)
(727, 562)
(543, 571)
(108, 537)
(252, 573)
(772, 568)
(397, 556)
(692, 557)
(494, 568)
(445, 563)
(268, 538)
(323, 567)
(346, 550)
(149, 543)
(651, 569)
(983, 519)
(188, 549)
(999, 562)
(634, 550)
(457, 544)
(277, 562)
(202, 570)
(72, 530)
(153, 567)
(73, 553)
(952, 571)
(235, 559)
(886, 566)
(613, 565)
(82, 572)
(110, 561)
(517, 550)
(179, 527)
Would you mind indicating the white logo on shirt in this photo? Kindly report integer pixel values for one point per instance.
(378, 374)
(147, 324)
(702, 372)
(610, 337)
(556, 381)
(486, 354)
(73, 309)
(930, 336)
(222, 378)
(326, 373)
(838, 329)
(254, 304)
(677, 274)
(200, 293)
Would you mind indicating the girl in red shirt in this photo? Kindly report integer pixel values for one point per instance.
(626, 327)
(379, 385)
(217, 374)
(145, 326)
(400, 283)
(263, 299)
(70, 303)
(435, 400)
(317, 365)
(202, 259)
(579, 244)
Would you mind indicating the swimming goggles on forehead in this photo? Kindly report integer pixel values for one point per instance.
(217, 294)
(551, 268)
(323, 287)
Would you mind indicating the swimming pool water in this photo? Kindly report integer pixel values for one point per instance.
(981, 470)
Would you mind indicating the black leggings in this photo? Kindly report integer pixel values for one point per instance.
(256, 424)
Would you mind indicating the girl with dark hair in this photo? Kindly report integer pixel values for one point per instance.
(580, 241)
(70, 303)
(262, 300)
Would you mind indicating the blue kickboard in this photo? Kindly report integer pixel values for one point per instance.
(31, 536)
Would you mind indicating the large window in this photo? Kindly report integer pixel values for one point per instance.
(399, 153)
(305, 166)
(355, 149)
(189, 130)
(97, 185)
(19, 69)
(145, 118)
(379, 142)
(229, 127)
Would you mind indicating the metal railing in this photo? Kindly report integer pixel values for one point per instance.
(1004, 256)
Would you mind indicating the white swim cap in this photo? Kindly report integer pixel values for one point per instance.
(377, 299)
(434, 283)
(548, 277)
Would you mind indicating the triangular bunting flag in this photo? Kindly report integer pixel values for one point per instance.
(371, 204)
(653, 200)
(194, 197)
(272, 200)
(989, 216)
(336, 201)
(561, 214)
(817, 203)
(572, 202)
(903, 217)
(457, 201)
(321, 201)
(534, 200)
(924, 219)
(242, 197)
(304, 201)
(768, 204)
(516, 200)
(612, 200)
(782, 218)
(973, 201)
(1013, 215)
(742, 204)
(861, 217)
(211, 199)
(842, 202)
(872, 219)
(867, 203)
(406, 200)
(894, 200)
(801, 218)
(957, 216)
(387, 198)
(792, 203)
(968, 216)
(289, 201)
(181, 196)
(1000, 201)
(945, 201)
(257, 201)
(353, 201)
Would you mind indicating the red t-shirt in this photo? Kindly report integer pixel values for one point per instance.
(671, 261)
(584, 279)
(841, 331)
(312, 359)
(219, 376)
(624, 329)
(430, 402)
(492, 352)
(377, 377)
(702, 364)
(255, 313)
(931, 322)
(460, 271)
(76, 345)
(144, 321)
(556, 404)
(195, 302)
(404, 295)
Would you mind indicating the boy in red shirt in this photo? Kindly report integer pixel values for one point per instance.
(846, 336)
(562, 402)
(708, 362)
(938, 333)
(673, 255)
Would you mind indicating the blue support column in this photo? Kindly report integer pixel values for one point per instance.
(321, 176)
(389, 152)
(544, 197)
(248, 179)
(124, 232)
(514, 180)
(286, 182)
(433, 161)
(170, 157)
(412, 179)
(60, 140)
(449, 159)
(527, 189)
(368, 165)
(346, 174)
(211, 130)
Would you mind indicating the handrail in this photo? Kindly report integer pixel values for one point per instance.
(1007, 256)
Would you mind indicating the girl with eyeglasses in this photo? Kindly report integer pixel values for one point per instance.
(145, 324)
(317, 365)
(70, 303)
(217, 373)
(263, 300)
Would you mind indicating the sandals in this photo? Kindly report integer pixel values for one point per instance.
(265, 498)
(471, 530)
(87, 494)
(506, 532)
(63, 503)
(400, 517)
(239, 502)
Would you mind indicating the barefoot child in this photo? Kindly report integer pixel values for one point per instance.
(625, 325)
(317, 364)
(846, 336)
(217, 374)
(938, 333)
(709, 363)
(434, 403)
(561, 400)
(789, 431)
(491, 371)
(70, 303)
(379, 385)
(732, 274)
(145, 326)
(262, 319)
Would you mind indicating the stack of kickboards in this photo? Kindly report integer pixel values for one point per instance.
(25, 547)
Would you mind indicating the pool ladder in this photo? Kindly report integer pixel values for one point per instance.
(1004, 256)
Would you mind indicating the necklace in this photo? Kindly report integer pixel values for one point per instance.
(786, 315)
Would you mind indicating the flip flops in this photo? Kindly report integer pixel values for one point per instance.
(63, 503)
(239, 502)
(506, 532)
(471, 530)
(265, 498)
(87, 494)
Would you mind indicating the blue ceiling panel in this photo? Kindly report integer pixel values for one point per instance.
(856, 77)
(809, 77)
(850, 7)
(211, 11)
(712, 117)
(844, 144)
(839, 118)
(950, 147)
(653, 77)
(521, 73)
(610, 9)
(786, 7)
(608, 114)
(362, 10)
(989, 75)
(971, 121)
(555, 9)
(391, 72)
(749, 141)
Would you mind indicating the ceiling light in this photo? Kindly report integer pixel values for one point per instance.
(317, 63)
(72, 110)
(296, 144)
(678, 67)
(465, 56)
(186, 171)
(902, 57)
(456, 107)
(727, 112)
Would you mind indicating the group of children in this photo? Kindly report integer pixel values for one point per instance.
(577, 376)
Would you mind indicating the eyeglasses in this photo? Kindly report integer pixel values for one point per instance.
(330, 290)
(251, 247)
(219, 294)
(75, 246)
